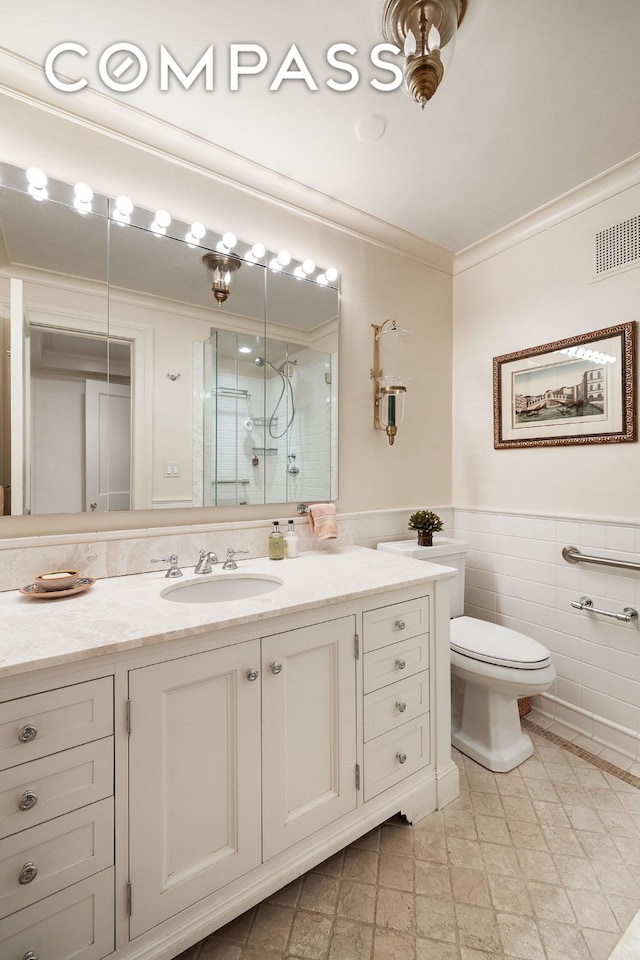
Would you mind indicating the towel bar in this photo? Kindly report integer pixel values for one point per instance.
(573, 555)
(586, 603)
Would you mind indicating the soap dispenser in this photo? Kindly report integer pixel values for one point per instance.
(291, 541)
(276, 542)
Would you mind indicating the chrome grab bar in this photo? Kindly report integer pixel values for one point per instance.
(573, 555)
(628, 615)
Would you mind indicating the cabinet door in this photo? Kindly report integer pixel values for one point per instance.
(194, 780)
(309, 731)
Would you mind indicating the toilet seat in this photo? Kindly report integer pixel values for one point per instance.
(491, 643)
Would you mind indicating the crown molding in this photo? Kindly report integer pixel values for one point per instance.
(606, 185)
(23, 80)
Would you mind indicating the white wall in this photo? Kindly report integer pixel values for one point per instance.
(519, 507)
(536, 291)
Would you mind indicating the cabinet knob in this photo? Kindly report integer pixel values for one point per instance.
(401, 705)
(27, 733)
(400, 624)
(30, 955)
(28, 873)
(401, 757)
(276, 667)
(28, 800)
(401, 664)
(252, 673)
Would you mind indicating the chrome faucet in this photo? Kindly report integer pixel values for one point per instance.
(230, 563)
(204, 562)
(174, 570)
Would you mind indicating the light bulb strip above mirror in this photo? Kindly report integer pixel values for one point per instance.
(123, 211)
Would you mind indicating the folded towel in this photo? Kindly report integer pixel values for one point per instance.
(322, 521)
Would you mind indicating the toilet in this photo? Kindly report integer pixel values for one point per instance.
(491, 667)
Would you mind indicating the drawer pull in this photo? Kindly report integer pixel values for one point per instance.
(27, 733)
(400, 624)
(28, 800)
(30, 955)
(276, 667)
(401, 705)
(252, 674)
(401, 664)
(28, 873)
(401, 757)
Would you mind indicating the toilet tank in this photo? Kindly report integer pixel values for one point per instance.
(449, 553)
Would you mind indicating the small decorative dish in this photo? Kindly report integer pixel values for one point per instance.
(58, 579)
(36, 592)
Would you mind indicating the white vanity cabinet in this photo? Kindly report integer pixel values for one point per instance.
(194, 779)
(244, 751)
(214, 787)
(309, 731)
(57, 823)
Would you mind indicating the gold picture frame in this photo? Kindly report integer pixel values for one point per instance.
(573, 391)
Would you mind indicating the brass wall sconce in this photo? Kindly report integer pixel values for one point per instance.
(421, 28)
(388, 391)
(220, 266)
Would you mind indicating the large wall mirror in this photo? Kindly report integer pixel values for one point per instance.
(125, 384)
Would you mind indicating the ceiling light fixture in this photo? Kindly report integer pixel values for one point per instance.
(422, 28)
(220, 267)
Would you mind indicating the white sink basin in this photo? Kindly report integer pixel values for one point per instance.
(221, 588)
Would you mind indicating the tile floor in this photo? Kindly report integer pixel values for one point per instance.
(542, 863)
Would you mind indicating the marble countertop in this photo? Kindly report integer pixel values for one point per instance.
(120, 613)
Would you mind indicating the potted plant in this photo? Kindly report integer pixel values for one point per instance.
(426, 523)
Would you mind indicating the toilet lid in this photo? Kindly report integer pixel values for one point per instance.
(492, 643)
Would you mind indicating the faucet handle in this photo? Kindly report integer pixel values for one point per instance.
(173, 570)
(230, 563)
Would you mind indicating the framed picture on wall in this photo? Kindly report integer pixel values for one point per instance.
(578, 390)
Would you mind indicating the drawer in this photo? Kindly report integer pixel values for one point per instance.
(75, 924)
(390, 706)
(48, 722)
(395, 662)
(55, 854)
(46, 788)
(383, 757)
(395, 622)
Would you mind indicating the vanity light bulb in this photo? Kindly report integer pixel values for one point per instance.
(258, 250)
(83, 195)
(124, 206)
(221, 247)
(275, 265)
(308, 266)
(162, 219)
(198, 230)
(331, 274)
(299, 273)
(37, 178)
(322, 280)
(229, 240)
(83, 192)
(284, 258)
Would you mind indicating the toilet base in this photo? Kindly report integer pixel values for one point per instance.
(486, 727)
(497, 762)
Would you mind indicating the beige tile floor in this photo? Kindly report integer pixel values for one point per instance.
(542, 863)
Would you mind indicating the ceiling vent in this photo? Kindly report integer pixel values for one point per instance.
(618, 247)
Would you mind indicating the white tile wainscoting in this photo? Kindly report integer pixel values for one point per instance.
(516, 576)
